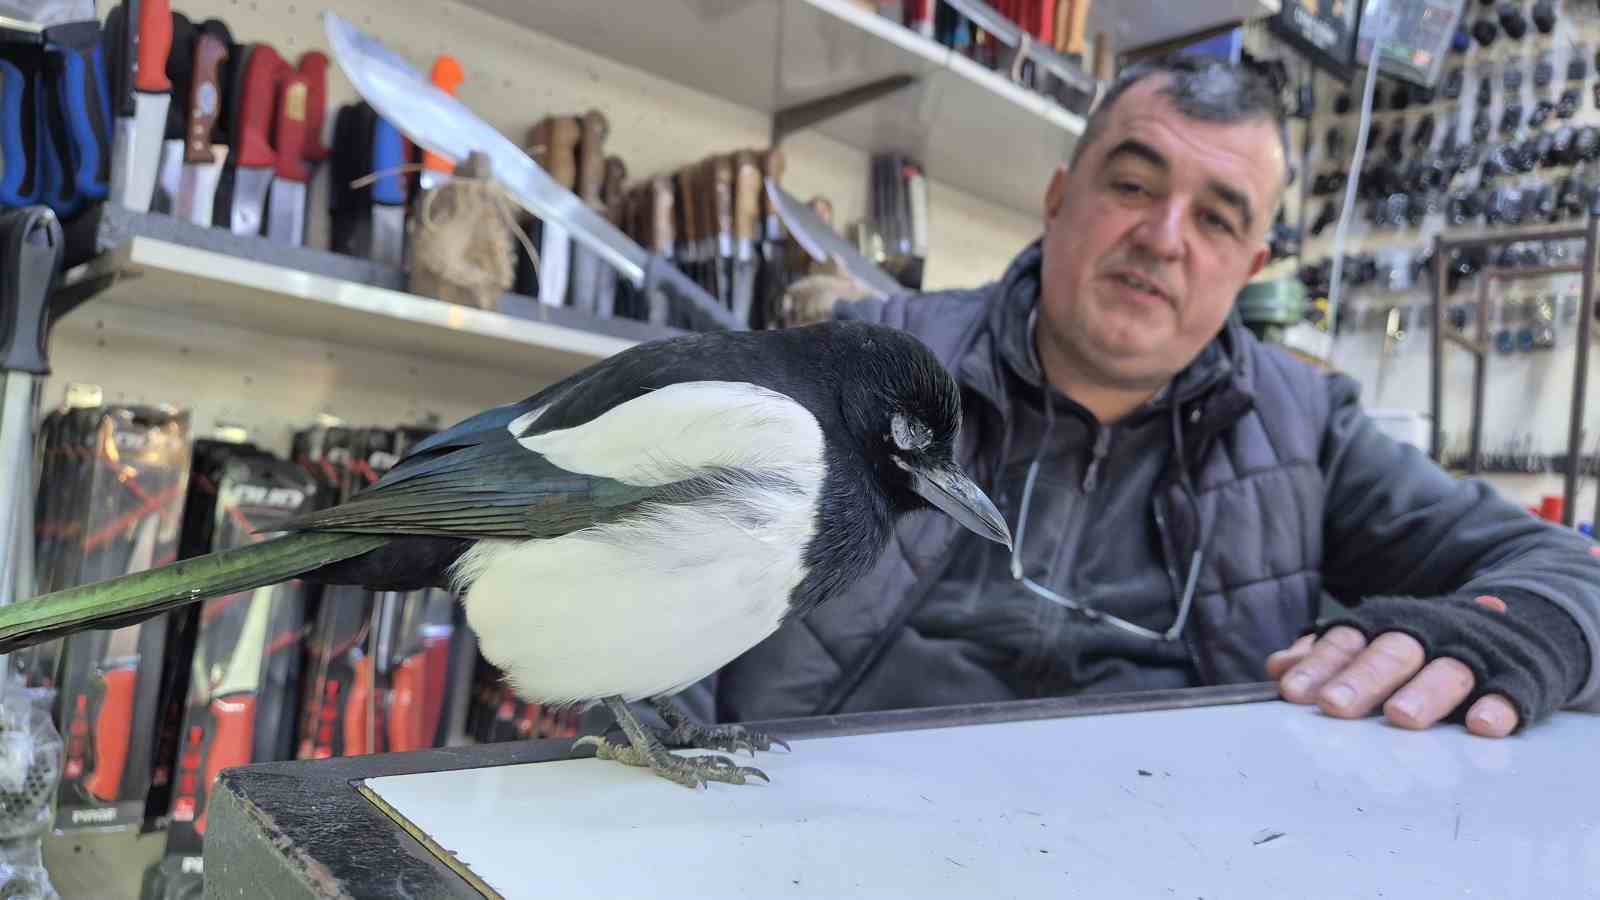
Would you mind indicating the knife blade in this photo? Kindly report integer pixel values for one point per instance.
(136, 151)
(447, 76)
(663, 210)
(233, 701)
(823, 244)
(593, 127)
(202, 159)
(313, 67)
(556, 139)
(613, 198)
(180, 71)
(439, 122)
(287, 206)
(388, 195)
(746, 208)
(252, 149)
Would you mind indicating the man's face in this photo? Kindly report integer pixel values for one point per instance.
(1151, 235)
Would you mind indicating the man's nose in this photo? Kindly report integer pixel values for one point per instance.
(1161, 230)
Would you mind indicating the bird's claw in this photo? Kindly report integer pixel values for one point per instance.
(690, 771)
(727, 738)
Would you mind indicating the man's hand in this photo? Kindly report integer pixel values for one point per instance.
(1347, 678)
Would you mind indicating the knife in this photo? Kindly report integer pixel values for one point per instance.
(663, 241)
(119, 673)
(688, 219)
(416, 695)
(287, 208)
(136, 152)
(202, 159)
(77, 117)
(613, 198)
(19, 137)
(447, 76)
(823, 244)
(722, 186)
(233, 700)
(313, 67)
(746, 208)
(591, 178)
(554, 139)
(252, 147)
(774, 244)
(439, 122)
(180, 71)
(388, 195)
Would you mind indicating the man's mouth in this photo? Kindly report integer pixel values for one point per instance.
(1141, 285)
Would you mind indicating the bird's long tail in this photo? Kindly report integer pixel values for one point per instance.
(141, 595)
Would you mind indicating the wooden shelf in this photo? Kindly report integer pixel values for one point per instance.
(208, 275)
(974, 129)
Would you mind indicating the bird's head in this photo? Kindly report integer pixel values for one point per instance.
(904, 408)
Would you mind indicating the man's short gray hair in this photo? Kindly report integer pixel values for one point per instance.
(1201, 87)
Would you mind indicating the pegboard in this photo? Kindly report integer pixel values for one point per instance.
(1528, 398)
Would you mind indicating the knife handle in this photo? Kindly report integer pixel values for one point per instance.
(355, 709)
(155, 43)
(722, 185)
(205, 97)
(83, 107)
(774, 163)
(611, 188)
(253, 147)
(314, 68)
(113, 727)
(388, 155)
(436, 654)
(565, 133)
(232, 742)
(661, 211)
(18, 180)
(289, 134)
(446, 75)
(592, 156)
(688, 216)
(407, 704)
(747, 197)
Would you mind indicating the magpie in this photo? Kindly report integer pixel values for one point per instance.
(625, 532)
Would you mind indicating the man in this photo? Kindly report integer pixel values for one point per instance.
(1182, 495)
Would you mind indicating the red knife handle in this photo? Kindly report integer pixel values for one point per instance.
(113, 727)
(355, 710)
(408, 704)
(314, 67)
(253, 147)
(155, 43)
(289, 136)
(232, 739)
(437, 652)
(447, 76)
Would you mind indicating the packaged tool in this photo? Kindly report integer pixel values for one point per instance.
(110, 503)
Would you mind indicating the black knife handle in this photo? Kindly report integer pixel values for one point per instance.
(704, 312)
(30, 254)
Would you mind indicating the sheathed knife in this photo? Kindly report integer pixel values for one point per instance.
(233, 700)
(119, 675)
(615, 202)
(722, 196)
(591, 179)
(286, 220)
(746, 209)
(389, 194)
(313, 67)
(202, 159)
(252, 145)
(136, 150)
(180, 72)
(554, 140)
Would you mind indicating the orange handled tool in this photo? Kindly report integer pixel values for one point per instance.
(232, 743)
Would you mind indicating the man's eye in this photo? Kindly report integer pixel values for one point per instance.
(1214, 220)
(1127, 187)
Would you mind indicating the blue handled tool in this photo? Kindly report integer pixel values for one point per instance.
(388, 194)
(19, 181)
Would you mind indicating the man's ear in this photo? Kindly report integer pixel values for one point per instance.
(1056, 193)
(1263, 254)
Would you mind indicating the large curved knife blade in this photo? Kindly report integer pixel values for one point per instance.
(825, 245)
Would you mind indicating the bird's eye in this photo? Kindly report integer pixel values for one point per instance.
(908, 433)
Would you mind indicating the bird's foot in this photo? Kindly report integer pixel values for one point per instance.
(689, 771)
(682, 731)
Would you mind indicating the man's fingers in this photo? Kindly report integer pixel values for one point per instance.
(1279, 663)
(1492, 716)
(1328, 655)
(1438, 688)
(1392, 659)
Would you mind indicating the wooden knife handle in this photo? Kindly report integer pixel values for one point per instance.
(539, 138)
(722, 184)
(616, 174)
(661, 209)
(1077, 22)
(688, 218)
(205, 97)
(592, 156)
(564, 136)
(774, 164)
(747, 196)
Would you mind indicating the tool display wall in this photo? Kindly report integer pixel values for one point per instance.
(1510, 137)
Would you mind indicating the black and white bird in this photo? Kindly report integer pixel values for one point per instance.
(629, 530)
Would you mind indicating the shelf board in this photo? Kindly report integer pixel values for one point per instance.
(973, 129)
(209, 283)
(1136, 24)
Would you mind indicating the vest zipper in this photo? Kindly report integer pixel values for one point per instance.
(1169, 552)
(1102, 446)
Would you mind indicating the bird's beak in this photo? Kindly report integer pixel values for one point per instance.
(954, 493)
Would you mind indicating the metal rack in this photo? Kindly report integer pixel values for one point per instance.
(1480, 349)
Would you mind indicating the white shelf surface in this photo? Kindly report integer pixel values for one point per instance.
(209, 286)
(973, 129)
(1142, 23)
(1258, 800)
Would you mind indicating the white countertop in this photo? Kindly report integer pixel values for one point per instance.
(1054, 808)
